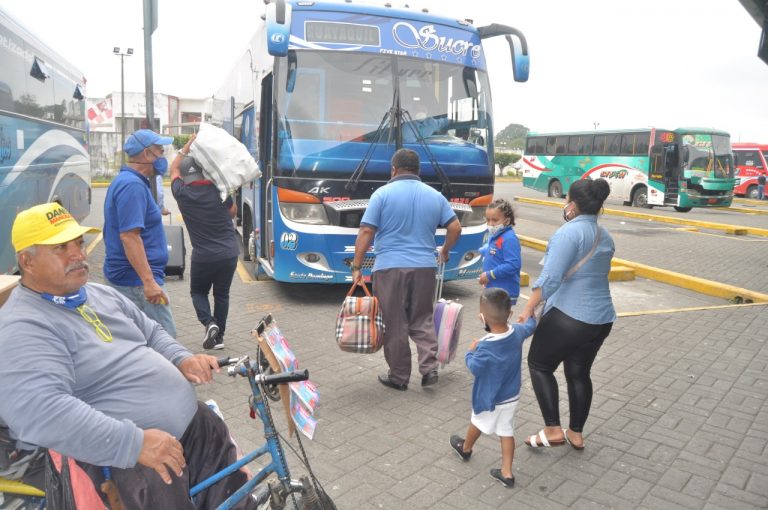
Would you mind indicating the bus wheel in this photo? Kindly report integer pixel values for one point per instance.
(752, 192)
(555, 189)
(247, 231)
(640, 198)
(683, 209)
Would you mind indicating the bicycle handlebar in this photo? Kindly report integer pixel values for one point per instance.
(226, 361)
(284, 377)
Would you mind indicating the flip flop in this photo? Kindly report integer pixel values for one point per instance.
(565, 435)
(541, 441)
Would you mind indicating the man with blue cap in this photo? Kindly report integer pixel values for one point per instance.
(134, 237)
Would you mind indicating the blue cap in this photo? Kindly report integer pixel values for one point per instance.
(143, 139)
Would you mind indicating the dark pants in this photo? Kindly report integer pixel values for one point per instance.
(405, 297)
(203, 276)
(560, 338)
(207, 450)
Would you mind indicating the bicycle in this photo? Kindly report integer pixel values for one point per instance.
(277, 493)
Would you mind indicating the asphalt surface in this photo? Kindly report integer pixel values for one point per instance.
(679, 417)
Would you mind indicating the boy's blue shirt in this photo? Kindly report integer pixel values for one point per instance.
(496, 365)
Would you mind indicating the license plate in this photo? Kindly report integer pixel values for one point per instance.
(712, 201)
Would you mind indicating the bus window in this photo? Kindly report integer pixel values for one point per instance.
(580, 144)
(561, 145)
(601, 144)
(628, 144)
(551, 145)
(642, 144)
(614, 143)
(749, 158)
(535, 145)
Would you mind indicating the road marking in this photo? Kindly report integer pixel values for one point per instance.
(730, 229)
(694, 230)
(242, 271)
(92, 246)
(694, 283)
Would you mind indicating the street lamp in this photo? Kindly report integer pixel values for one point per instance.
(596, 123)
(128, 53)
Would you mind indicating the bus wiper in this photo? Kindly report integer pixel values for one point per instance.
(445, 183)
(351, 185)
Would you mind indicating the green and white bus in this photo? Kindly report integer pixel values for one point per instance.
(683, 168)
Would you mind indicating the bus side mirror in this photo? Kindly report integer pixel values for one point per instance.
(686, 154)
(520, 59)
(278, 28)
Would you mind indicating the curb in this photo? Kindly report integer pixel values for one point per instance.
(729, 229)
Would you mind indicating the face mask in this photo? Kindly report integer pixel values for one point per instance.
(160, 165)
(486, 327)
(494, 229)
(566, 212)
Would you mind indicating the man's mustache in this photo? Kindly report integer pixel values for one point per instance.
(77, 266)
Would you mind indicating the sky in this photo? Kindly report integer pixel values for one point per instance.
(618, 64)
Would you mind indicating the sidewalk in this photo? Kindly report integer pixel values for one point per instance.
(679, 418)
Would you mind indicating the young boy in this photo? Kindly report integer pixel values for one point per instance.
(495, 361)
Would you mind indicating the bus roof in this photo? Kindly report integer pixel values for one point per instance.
(44, 51)
(750, 145)
(380, 9)
(711, 131)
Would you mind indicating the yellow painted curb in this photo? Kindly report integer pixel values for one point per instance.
(17, 487)
(700, 285)
(245, 276)
(621, 274)
(744, 210)
(525, 279)
(731, 229)
(692, 309)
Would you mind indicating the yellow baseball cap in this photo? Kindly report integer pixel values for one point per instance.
(46, 224)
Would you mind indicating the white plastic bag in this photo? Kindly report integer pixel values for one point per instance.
(224, 159)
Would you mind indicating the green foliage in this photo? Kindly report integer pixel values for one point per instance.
(180, 140)
(512, 136)
(503, 159)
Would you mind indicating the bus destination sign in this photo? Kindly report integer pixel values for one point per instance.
(341, 33)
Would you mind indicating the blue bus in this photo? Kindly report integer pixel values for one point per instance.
(43, 149)
(324, 96)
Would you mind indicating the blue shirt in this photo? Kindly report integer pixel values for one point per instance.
(585, 295)
(502, 262)
(496, 363)
(129, 205)
(406, 213)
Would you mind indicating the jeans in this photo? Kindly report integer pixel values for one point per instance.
(159, 313)
(203, 276)
(760, 191)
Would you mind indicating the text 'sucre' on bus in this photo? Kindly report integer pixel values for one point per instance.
(324, 96)
(683, 168)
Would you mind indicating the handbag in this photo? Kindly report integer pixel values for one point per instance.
(538, 310)
(360, 324)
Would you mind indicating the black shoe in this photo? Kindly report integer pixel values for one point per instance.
(211, 332)
(386, 381)
(457, 444)
(506, 482)
(430, 378)
(219, 341)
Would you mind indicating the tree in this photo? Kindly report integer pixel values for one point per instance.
(512, 136)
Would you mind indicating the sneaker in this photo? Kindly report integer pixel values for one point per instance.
(219, 341)
(506, 482)
(211, 332)
(457, 444)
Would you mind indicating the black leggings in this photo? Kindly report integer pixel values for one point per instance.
(563, 339)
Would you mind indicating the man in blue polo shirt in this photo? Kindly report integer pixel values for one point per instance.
(401, 219)
(134, 237)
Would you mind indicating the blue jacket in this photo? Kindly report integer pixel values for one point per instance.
(502, 261)
(496, 364)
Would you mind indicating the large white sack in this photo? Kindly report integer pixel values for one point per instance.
(224, 159)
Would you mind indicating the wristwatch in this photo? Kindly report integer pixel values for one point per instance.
(354, 267)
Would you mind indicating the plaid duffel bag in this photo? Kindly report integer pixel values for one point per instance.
(360, 325)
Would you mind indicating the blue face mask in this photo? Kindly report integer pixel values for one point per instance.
(160, 165)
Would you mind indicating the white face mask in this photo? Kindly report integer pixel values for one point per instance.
(494, 229)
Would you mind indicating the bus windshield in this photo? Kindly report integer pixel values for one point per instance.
(707, 155)
(332, 106)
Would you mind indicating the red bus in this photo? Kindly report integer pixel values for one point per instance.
(751, 161)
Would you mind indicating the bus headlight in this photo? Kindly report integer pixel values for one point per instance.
(311, 214)
(473, 218)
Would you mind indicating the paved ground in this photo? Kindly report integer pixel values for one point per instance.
(679, 418)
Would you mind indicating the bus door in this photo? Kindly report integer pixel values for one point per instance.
(665, 166)
(263, 209)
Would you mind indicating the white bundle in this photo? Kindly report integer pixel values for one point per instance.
(224, 159)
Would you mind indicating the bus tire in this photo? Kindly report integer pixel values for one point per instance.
(247, 230)
(683, 209)
(751, 192)
(555, 189)
(640, 197)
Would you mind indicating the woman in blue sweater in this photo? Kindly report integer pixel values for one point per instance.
(501, 256)
(495, 360)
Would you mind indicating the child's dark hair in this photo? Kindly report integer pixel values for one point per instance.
(589, 194)
(506, 209)
(496, 304)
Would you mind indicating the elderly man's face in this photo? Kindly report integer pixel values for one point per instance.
(58, 269)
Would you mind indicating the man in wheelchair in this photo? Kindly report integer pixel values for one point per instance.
(85, 373)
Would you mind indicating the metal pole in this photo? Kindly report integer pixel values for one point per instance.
(122, 108)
